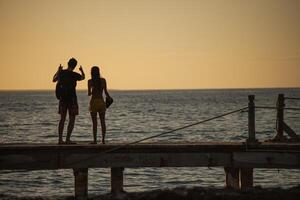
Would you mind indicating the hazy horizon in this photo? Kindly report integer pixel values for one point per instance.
(152, 45)
(125, 90)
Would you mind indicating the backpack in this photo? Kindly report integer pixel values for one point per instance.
(63, 90)
(63, 93)
(58, 90)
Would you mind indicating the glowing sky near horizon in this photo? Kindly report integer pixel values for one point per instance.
(155, 44)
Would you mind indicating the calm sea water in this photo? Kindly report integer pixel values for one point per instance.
(32, 117)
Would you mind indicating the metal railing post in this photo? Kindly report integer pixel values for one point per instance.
(280, 116)
(251, 119)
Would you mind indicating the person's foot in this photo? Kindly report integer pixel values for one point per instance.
(94, 142)
(69, 142)
(103, 142)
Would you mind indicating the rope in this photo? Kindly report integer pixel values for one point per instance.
(177, 129)
(270, 107)
(160, 134)
(292, 108)
(265, 107)
(293, 111)
(292, 98)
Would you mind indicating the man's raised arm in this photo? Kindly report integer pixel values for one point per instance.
(82, 73)
(55, 77)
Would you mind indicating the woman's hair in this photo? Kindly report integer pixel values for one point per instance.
(95, 73)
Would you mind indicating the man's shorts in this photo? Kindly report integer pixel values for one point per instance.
(70, 106)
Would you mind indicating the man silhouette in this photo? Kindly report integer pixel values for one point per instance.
(66, 93)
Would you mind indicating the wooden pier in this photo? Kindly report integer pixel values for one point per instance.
(237, 158)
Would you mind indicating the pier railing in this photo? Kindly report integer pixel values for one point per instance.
(281, 125)
(238, 158)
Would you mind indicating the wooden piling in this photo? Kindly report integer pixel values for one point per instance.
(117, 179)
(246, 174)
(232, 177)
(81, 183)
(246, 178)
(239, 178)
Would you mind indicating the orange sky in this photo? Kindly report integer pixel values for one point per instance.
(154, 44)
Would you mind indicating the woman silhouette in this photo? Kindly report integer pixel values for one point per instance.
(96, 85)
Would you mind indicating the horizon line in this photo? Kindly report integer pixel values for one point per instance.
(171, 89)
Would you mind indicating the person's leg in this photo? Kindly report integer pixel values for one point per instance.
(103, 125)
(73, 111)
(61, 125)
(63, 113)
(70, 127)
(94, 120)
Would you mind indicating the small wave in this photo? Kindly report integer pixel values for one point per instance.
(4, 125)
(49, 136)
(46, 123)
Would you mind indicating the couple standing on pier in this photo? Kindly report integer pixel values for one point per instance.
(66, 93)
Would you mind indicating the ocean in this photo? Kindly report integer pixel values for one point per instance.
(31, 117)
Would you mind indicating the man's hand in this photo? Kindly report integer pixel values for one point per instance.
(60, 67)
(82, 73)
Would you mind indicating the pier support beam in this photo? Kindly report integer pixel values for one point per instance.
(232, 177)
(81, 183)
(246, 178)
(239, 178)
(117, 179)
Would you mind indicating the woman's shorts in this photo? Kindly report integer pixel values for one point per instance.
(97, 105)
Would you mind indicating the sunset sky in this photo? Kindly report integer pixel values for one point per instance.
(154, 44)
